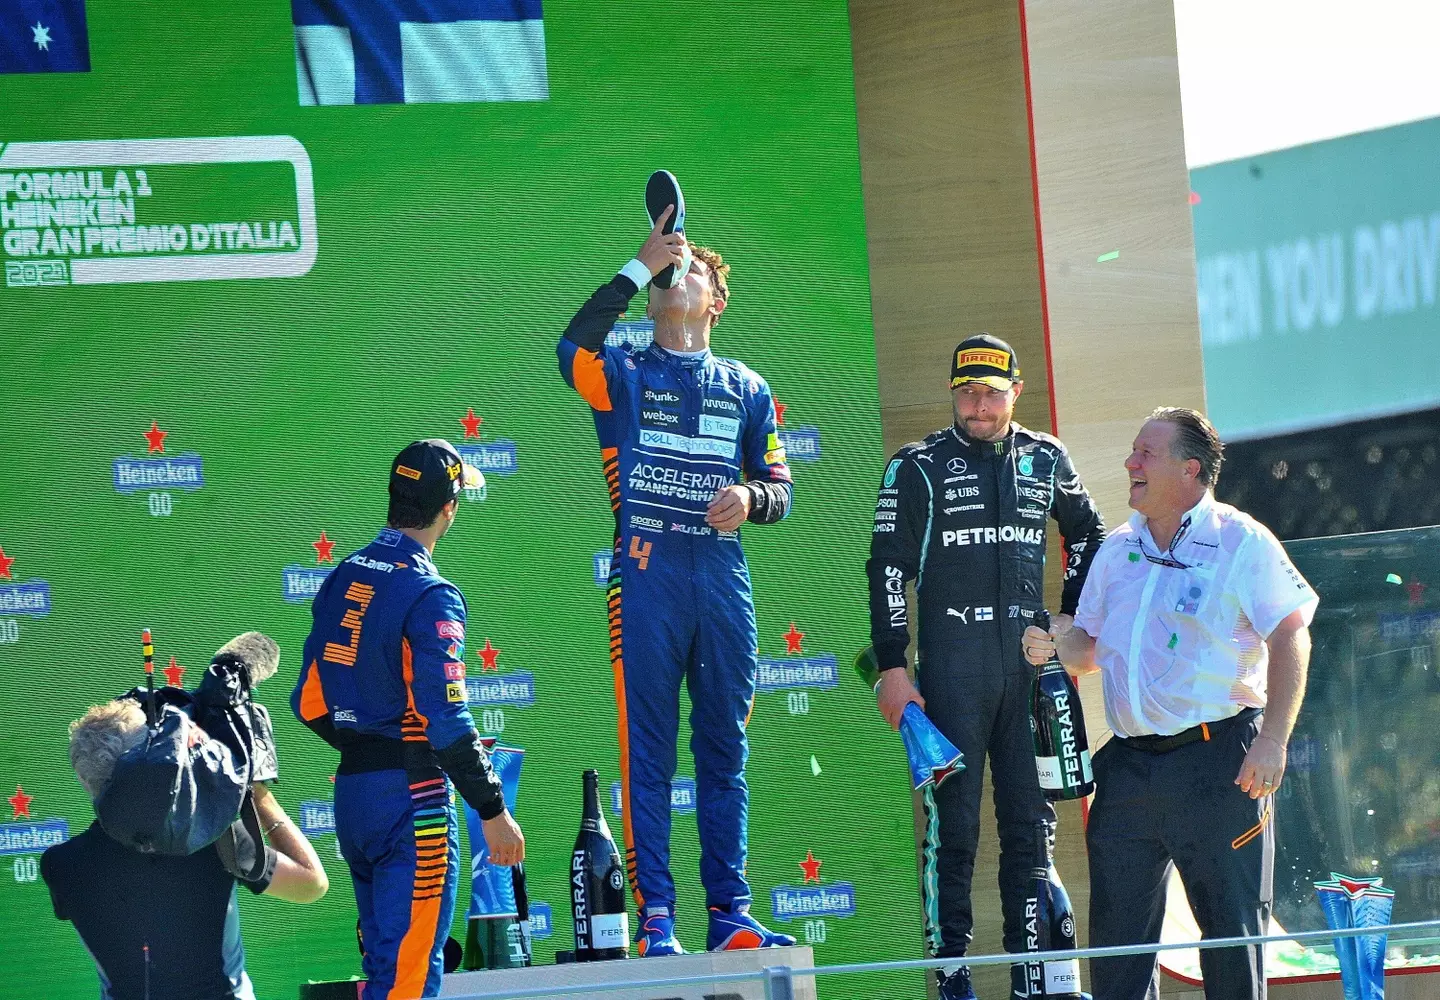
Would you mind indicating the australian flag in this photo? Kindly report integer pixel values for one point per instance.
(43, 36)
(419, 51)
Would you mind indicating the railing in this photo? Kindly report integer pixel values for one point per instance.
(779, 980)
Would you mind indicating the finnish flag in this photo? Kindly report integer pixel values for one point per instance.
(43, 36)
(419, 51)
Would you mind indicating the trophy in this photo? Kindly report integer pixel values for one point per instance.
(933, 758)
(497, 932)
(1358, 902)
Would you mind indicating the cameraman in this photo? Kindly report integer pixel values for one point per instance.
(163, 926)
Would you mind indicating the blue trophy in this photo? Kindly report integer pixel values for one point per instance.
(1356, 903)
(498, 936)
(933, 758)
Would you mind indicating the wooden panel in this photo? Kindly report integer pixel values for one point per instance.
(950, 213)
(1110, 168)
(1124, 333)
(945, 165)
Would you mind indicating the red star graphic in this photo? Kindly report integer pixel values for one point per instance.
(488, 656)
(811, 867)
(175, 674)
(780, 412)
(1415, 587)
(156, 437)
(20, 803)
(322, 549)
(472, 424)
(5, 564)
(792, 640)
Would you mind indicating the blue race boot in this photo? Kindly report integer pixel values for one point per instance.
(732, 928)
(655, 938)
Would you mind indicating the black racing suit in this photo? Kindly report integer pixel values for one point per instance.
(966, 520)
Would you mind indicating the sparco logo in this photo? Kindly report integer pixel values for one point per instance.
(834, 900)
(989, 536)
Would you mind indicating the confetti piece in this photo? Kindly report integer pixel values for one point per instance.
(1174, 641)
(1112, 255)
(1194, 198)
(1134, 557)
(1393, 578)
(814, 766)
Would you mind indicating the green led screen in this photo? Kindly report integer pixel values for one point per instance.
(238, 280)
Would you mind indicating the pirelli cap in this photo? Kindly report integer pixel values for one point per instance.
(431, 473)
(987, 359)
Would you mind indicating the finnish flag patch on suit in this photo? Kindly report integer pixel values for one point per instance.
(419, 51)
(44, 36)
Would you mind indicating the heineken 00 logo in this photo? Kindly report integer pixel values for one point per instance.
(126, 210)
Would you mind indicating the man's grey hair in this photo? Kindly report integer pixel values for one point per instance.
(100, 737)
(1195, 437)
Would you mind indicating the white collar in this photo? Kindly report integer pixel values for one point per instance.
(1139, 522)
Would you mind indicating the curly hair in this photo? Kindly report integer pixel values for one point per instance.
(719, 270)
(100, 737)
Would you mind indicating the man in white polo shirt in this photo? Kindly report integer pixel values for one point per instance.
(1199, 624)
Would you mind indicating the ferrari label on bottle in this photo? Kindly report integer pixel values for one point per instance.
(1061, 978)
(610, 930)
(580, 903)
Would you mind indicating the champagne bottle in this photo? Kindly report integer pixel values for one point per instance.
(597, 885)
(501, 942)
(1057, 723)
(519, 939)
(1049, 926)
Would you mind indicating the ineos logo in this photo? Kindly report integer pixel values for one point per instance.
(956, 466)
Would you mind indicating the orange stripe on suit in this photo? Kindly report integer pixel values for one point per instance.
(589, 375)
